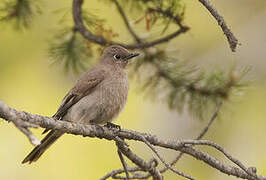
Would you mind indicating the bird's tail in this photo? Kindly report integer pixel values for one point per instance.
(46, 142)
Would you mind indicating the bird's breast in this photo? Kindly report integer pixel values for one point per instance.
(114, 91)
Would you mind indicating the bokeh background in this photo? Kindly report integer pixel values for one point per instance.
(29, 81)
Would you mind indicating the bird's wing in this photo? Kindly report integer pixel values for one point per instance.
(83, 87)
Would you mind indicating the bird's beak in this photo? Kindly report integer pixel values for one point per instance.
(132, 55)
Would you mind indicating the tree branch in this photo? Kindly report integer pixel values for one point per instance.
(79, 26)
(93, 131)
(33, 140)
(222, 150)
(202, 133)
(22, 126)
(114, 173)
(164, 162)
(87, 34)
(123, 162)
(137, 160)
(232, 40)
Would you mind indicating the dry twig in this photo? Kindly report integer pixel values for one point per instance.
(122, 161)
(232, 40)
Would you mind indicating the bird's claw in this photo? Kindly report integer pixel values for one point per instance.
(112, 126)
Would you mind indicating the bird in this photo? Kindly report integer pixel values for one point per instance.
(97, 98)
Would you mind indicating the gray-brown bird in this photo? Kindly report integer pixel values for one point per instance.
(97, 97)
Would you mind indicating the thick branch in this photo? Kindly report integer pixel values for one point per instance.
(232, 40)
(10, 114)
(79, 25)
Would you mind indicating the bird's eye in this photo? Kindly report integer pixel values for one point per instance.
(117, 56)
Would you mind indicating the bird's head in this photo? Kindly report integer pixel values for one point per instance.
(117, 55)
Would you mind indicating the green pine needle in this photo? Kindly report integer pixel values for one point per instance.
(19, 12)
(183, 86)
(71, 49)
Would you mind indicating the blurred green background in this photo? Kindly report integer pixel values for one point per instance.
(29, 82)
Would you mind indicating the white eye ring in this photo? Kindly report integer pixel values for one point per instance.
(117, 56)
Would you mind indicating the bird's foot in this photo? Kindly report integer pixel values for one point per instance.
(110, 125)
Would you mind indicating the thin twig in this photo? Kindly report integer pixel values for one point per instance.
(164, 162)
(222, 150)
(169, 15)
(20, 124)
(123, 163)
(215, 114)
(114, 173)
(137, 160)
(123, 15)
(33, 140)
(232, 40)
(202, 133)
